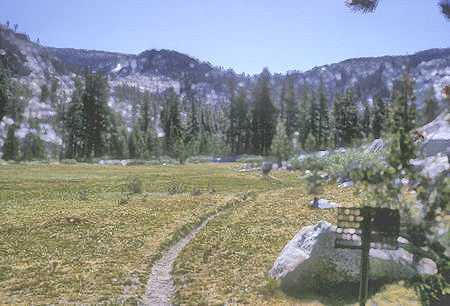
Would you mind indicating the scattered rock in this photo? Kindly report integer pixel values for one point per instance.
(310, 261)
(341, 149)
(376, 146)
(125, 162)
(346, 184)
(324, 176)
(227, 159)
(266, 167)
(109, 161)
(426, 266)
(322, 153)
(323, 204)
(432, 166)
(289, 167)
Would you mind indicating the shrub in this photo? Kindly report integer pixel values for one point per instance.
(314, 183)
(199, 159)
(338, 164)
(251, 160)
(166, 160)
(124, 197)
(211, 188)
(195, 191)
(134, 185)
(83, 194)
(68, 161)
(431, 289)
(175, 187)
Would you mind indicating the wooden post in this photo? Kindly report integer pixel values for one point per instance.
(364, 271)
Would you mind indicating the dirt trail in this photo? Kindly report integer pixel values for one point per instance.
(160, 287)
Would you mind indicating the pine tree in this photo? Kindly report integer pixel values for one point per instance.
(238, 133)
(346, 118)
(403, 106)
(365, 122)
(11, 145)
(431, 108)
(233, 130)
(74, 123)
(314, 120)
(281, 145)
(171, 120)
(45, 94)
(16, 103)
(95, 113)
(291, 108)
(193, 125)
(145, 119)
(179, 148)
(379, 117)
(283, 98)
(4, 90)
(53, 93)
(304, 116)
(323, 126)
(264, 115)
(118, 144)
(33, 147)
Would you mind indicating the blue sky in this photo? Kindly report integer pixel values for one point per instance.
(245, 35)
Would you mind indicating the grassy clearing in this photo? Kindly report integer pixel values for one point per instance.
(227, 262)
(65, 238)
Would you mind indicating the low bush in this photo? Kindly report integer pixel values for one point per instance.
(251, 160)
(166, 160)
(175, 187)
(195, 191)
(68, 161)
(338, 164)
(199, 159)
(433, 290)
(134, 185)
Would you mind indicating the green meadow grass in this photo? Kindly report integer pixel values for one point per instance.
(228, 261)
(66, 239)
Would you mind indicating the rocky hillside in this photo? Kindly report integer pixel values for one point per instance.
(157, 70)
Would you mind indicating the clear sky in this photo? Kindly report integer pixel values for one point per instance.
(245, 35)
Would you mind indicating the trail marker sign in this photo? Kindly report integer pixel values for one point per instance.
(364, 228)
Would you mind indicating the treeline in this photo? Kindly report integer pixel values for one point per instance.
(253, 122)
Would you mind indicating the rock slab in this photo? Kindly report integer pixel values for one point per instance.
(310, 261)
(323, 204)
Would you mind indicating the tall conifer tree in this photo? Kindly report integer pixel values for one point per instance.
(4, 90)
(431, 108)
(11, 145)
(324, 118)
(291, 108)
(264, 115)
(379, 117)
(95, 113)
(171, 120)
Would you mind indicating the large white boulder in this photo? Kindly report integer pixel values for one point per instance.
(323, 204)
(376, 146)
(310, 261)
(436, 135)
(432, 166)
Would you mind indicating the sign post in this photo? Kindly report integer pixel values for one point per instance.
(365, 228)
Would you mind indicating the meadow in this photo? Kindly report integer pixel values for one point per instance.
(86, 233)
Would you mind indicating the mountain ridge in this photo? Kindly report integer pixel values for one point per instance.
(159, 69)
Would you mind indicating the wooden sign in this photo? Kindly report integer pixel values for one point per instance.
(364, 228)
